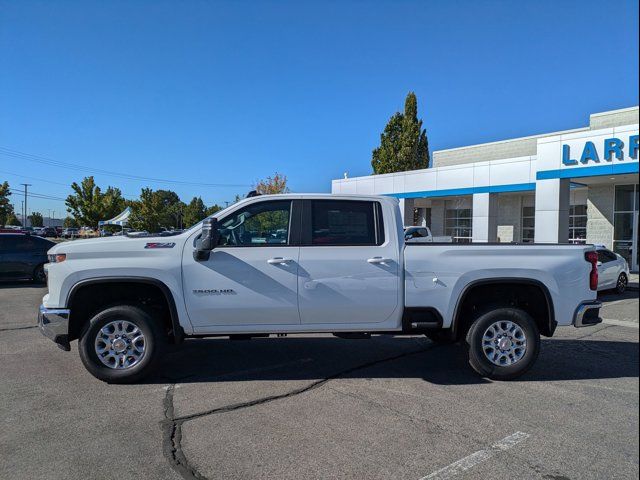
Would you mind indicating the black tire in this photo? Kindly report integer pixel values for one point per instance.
(479, 361)
(38, 274)
(441, 337)
(154, 342)
(621, 284)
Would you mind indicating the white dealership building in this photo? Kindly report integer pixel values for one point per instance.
(576, 185)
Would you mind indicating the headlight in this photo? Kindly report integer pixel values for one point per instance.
(57, 258)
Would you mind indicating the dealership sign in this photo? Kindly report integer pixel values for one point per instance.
(613, 148)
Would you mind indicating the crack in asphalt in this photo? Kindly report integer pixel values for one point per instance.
(172, 425)
(17, 328)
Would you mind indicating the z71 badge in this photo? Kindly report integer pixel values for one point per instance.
(214, 291)
(160, 245)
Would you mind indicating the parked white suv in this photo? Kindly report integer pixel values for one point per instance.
(285, 264)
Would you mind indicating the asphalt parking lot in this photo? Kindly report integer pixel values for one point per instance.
(321, 407)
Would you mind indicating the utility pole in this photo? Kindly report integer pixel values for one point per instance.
(22, 212)
(26, 185)
(50, 223)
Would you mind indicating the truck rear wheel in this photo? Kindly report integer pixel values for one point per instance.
(503, 343)
(121, 344)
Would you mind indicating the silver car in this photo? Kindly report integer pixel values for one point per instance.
(613, 270)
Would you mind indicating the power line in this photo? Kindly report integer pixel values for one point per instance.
(72, 166)
(125, 195)
(36, 195)
(34, 178)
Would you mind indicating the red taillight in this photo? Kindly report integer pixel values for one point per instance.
(592, 258)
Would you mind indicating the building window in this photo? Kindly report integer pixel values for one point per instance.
(625, 206)
(458, 224)
(528, 224)
(578, 224)
(422, 217)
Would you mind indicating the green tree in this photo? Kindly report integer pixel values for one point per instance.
(156, 210)
(272, 185)
(194, 212)
(36, 220)
(89, 204)
(269, 221)
(403, 144)
(6, 209)
(212, 209)
(13, 220)
(171, 208)
(70, 222)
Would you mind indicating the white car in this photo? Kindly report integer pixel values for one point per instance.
(286, 264)
(613, 270)
(423, 235)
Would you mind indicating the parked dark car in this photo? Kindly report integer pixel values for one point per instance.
(48, 232)
(22, 256)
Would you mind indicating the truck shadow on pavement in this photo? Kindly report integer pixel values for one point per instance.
(221, 360)
(5, 285)
(607, 297)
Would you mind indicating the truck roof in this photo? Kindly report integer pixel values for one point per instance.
(327, 196)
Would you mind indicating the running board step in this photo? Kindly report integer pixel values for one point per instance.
(353, 335)
(425, 325)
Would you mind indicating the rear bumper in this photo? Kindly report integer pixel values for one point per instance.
(587, 314)
(54, 324)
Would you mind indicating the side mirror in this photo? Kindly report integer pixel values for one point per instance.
(208, 240)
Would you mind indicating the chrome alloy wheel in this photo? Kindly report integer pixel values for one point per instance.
(621, 285)
(120, 344)
(504, 343)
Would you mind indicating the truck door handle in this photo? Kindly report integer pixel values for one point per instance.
(279, 261)
(378, 260)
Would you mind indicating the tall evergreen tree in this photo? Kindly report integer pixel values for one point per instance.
(403, 144)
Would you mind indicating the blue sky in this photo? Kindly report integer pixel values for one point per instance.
(230, 92)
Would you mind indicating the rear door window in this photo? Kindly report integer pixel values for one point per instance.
(345, 222)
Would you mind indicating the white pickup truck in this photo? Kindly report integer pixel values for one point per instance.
(286, 264)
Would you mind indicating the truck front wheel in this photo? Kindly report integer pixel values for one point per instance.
(121, 344)
(503, 343)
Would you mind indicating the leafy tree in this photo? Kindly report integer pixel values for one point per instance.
(170, 208)
(156, 210)
(269, 221)
(13, 220)
(70, 222)
(6, 209)
(212, 209)
(194, 212)
(272, 185)
(89, 204)
(403, 144)
(36, 219)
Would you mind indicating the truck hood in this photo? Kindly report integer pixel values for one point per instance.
(117, 246)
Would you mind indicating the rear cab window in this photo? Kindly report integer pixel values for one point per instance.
(343, 223)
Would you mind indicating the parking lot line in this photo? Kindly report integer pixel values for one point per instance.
(478, 457)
